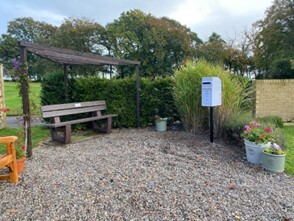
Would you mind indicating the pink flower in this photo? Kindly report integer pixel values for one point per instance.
(276, 146)
(157, 117)
(268, 130)
(254, 124)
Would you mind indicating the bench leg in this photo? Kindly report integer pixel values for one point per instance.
(106, 127)
(66, 130)
(13, 172)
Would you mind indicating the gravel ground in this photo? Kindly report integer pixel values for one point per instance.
(140, 174)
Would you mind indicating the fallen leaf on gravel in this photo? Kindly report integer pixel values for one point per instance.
(12, 211)
(231, 186)
(237, 217)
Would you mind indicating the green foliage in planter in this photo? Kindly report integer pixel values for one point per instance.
(274, 120)
(187, 93)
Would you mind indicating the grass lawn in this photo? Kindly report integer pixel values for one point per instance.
(38, 134)
(289, 133)
(13, 99)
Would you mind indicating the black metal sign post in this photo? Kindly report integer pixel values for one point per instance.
(211, 124)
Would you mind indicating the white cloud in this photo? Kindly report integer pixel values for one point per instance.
(202, 16)
(239, 8)
(191, 12)
(41, 15)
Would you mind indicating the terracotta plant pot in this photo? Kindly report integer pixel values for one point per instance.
(20, 164)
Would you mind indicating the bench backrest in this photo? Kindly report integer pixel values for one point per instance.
(57, 110)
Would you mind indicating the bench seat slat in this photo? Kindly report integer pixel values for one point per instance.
(61, 124)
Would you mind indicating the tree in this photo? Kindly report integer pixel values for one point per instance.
(24, 29)
(274, 36)
(8, 50)
(84, 35)
(79, 34)
(161, 44)
(281, 69)
(27, 29)
(213, 51)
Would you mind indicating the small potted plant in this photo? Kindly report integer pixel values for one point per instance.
(256, 138)
(20, 151)
(273, 158)
(160, 123)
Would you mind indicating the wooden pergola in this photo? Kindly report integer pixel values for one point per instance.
(67, 57)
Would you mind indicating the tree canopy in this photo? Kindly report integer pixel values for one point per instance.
(274, 39)
(162, 45)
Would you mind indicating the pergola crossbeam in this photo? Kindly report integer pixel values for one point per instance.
(67, 56)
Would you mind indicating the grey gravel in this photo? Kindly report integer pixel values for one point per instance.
(140, 174)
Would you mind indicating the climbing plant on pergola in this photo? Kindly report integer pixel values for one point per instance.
(66, 57)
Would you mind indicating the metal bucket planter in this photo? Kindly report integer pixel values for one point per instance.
(273, 163)
(253, 151)
(160, 125)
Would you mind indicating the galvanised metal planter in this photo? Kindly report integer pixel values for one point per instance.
(160, 125)
(272, 162)
(253, 151)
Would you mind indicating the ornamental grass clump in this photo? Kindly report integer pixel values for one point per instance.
(257, 133)
(187, 95)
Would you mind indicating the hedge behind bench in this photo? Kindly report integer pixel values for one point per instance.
(119, 94)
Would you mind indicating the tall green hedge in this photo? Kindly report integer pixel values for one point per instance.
(119, 94)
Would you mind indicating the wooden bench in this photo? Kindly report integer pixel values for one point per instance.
(9, 160)
(94, 108)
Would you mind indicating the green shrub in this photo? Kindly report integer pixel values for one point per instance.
(187, 94)
(235, 126)
(279, 137)
(120, 95)
(274, 120)
(54, 90)
(157, 99)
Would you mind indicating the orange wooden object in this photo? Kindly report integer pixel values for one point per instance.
(9, 160)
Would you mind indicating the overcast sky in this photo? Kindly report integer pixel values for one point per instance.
(225, 17)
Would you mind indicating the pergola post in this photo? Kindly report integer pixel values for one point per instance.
(26, 101)
(138, 95)
(65, 78)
